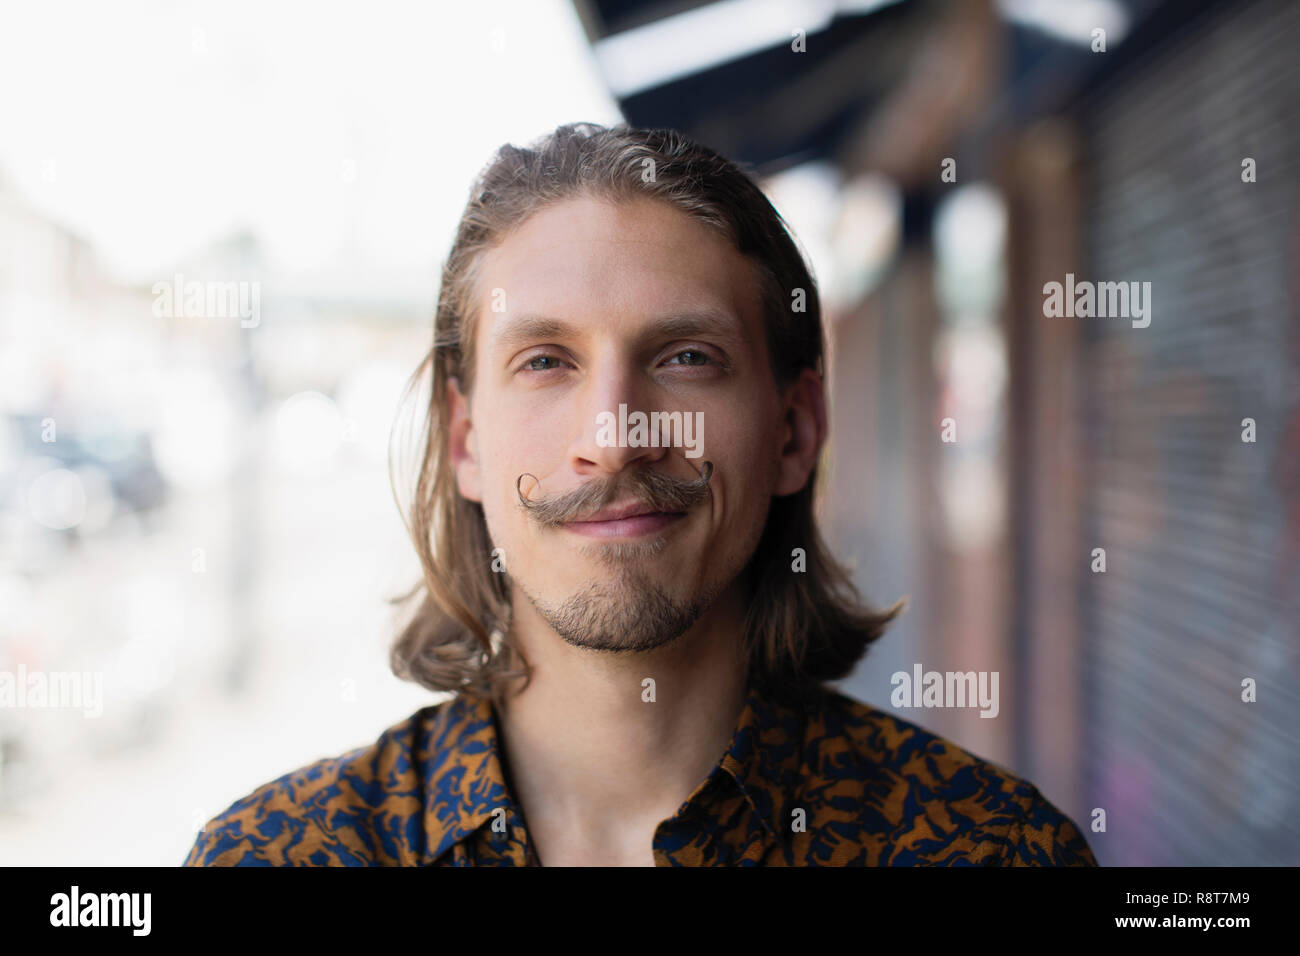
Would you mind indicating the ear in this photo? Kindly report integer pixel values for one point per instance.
(804, 431)
(461, 444)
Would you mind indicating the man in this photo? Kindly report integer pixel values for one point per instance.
(624, 585)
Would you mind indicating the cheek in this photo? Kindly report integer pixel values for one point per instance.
(748, 473)
(748, 502)
(750, 448)
(505, 454)
(520, 437)
(501, 500)
(754, 470)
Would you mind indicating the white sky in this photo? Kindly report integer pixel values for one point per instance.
(153, 128)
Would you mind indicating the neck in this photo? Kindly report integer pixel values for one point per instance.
(596, 764)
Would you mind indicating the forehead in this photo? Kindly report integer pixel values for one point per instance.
(596, 264)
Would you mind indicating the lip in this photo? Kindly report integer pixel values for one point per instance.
(615, 512)
(624, 521)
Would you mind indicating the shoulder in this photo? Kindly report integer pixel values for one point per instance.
(358, 809)
(925, 800)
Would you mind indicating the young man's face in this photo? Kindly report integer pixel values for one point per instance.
(591, 305)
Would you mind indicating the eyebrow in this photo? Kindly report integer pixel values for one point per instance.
(530, 328)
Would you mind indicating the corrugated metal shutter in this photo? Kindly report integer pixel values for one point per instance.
(1201, 530)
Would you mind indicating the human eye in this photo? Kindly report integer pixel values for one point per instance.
(541, 362)
(692, 358)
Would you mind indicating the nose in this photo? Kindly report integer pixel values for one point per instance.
(604, 435)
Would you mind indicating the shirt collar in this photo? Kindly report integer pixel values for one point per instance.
(465, 780)
(764, 759)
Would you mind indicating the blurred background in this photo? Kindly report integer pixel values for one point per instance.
(195, 502)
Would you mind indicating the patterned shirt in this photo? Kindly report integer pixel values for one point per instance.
(833, 782)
